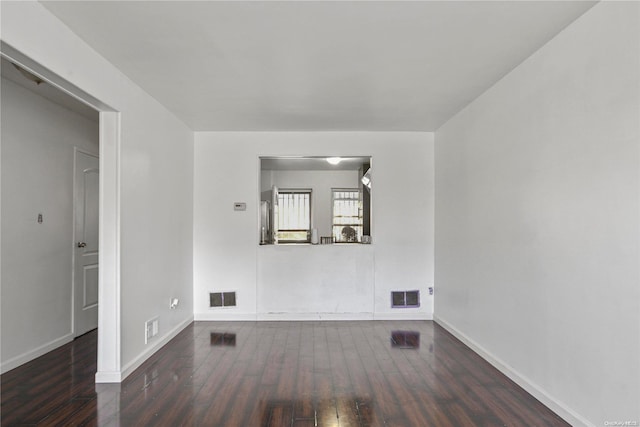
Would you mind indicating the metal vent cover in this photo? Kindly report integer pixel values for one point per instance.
(222, 299)
(405, 299)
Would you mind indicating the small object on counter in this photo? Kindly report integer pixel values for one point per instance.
(314, 236)
(349, 234)
(326, 240)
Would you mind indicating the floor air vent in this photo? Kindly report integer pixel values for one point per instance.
(222, 299)
(404, 299)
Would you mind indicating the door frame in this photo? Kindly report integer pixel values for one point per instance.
(109, 336)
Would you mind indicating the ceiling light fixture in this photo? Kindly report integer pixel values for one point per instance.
(334, 160)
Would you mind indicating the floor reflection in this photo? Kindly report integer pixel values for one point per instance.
(405, 339)
(224, 338)
(342, 411)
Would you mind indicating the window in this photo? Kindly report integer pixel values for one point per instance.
(347, 215)
(294, 216)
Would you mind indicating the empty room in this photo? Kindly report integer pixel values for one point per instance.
(320, 213)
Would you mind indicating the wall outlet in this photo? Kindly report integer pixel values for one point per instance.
(150, 329)
(148, 332)
(430, 290)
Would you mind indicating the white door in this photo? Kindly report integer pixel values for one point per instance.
(85, 295)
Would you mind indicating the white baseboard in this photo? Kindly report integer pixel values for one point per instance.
(103, 377)
(403, 316)
(28, 356)
(222, 315)
(532, 388)
(113, 377)
(294, 317)
(301, 317)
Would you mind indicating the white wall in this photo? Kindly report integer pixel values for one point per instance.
(537, 210)
(226, 251)
(316, 282)
(38, 140)
(321, 183)
(152, 164)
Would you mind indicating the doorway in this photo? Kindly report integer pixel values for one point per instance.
(108, 280)
(46, 137)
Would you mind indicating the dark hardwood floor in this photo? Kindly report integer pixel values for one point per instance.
(297, 374)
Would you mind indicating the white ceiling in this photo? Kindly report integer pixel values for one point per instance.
(316, 65)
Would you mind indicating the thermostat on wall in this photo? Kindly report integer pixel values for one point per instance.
(239, 206)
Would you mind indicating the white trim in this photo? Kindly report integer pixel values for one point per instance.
(223, 315)
(35, 353)
(403, 315)
(109, 335)
(531, 387)
(156, 345)
(297, 317)
(108, 377)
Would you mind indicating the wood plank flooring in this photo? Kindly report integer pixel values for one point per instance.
(272, 374)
